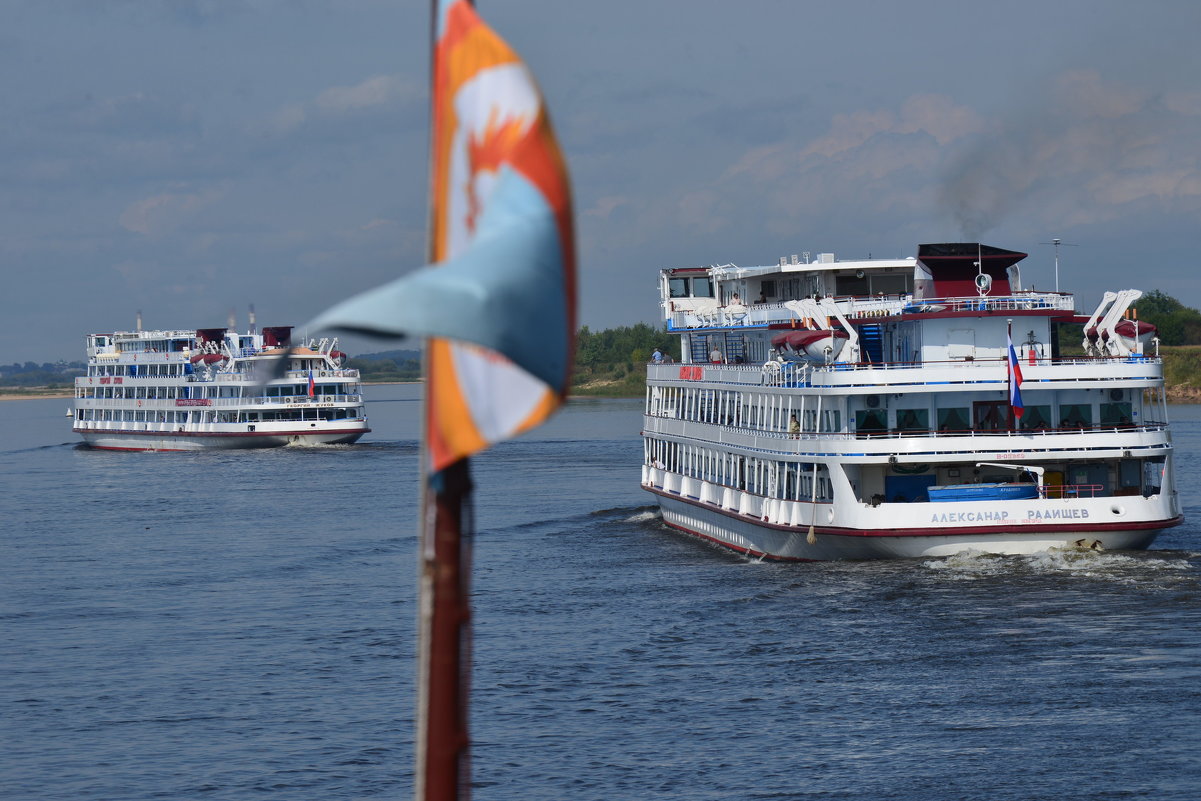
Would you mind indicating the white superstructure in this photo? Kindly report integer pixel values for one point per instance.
(200, 389)
(830, 409)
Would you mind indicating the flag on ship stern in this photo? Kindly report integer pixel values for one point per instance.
(1015, 379)
(312, 385)
(498, 300)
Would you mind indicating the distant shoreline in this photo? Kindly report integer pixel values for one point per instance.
(36, 394)
(1183, 394)
(42, 393)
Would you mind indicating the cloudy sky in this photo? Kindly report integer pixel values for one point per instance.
(185, 158)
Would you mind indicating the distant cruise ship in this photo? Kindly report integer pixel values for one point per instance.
(199, 389)
(876, 408)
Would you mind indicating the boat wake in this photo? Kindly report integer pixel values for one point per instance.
(1079, 562)
(644, 515)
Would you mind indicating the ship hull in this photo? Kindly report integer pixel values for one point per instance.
(202, 441)
(750, 536)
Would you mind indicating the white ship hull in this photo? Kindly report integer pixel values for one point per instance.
(213, 440)
(754, 537)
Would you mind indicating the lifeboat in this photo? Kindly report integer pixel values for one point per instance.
(197, 358)
(1135, 336)
(338, 357)
(810, 345)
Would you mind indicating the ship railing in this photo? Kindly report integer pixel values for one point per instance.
(1042, 431)
(860, 307)
(929, 434)
(165, 404)
(203, 376)
(285, 400)
(801, 374)
(1071, 490)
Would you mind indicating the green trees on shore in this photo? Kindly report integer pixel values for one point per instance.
(613, 362)
(1178, 324)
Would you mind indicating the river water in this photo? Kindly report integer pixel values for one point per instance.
(241, 625)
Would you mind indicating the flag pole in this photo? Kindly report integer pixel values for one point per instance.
(445, 525)
(443, 739)
(1009, 373)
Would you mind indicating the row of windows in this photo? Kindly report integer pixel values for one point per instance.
(154, 370)
(767, 477)
(211, 416)
(213, 391)
(993, 416)
(802, 414)
(757, 410)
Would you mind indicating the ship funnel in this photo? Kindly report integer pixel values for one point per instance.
(955, 268)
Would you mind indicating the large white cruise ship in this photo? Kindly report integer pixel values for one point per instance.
(831, 409)
(200, 389)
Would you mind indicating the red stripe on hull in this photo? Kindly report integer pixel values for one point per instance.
(177, 434)
(838, 531)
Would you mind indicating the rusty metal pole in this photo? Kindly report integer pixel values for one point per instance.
(443, 767)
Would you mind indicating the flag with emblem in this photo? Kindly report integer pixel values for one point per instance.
(498, 300)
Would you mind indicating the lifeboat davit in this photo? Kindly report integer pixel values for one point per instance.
(811, 345)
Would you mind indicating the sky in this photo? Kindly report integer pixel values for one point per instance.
(190, 158)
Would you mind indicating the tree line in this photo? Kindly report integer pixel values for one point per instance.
(1178, 324)
(610, 361)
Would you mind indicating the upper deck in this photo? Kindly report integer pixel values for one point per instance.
(209, 354)
(955, 301)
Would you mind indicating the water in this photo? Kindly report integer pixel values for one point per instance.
(233, 626)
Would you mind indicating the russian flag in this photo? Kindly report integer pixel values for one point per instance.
(313, 384)
(1015, 381)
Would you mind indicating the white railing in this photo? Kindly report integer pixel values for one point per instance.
(204, 376)
(911, 375)
(259, 402)
(857, 308)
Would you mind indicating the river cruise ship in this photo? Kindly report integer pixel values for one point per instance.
(204, 389)
(923, 406)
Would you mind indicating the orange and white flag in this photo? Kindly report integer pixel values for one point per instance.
(498, 302)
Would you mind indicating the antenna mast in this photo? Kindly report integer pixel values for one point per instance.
(1057, 243)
